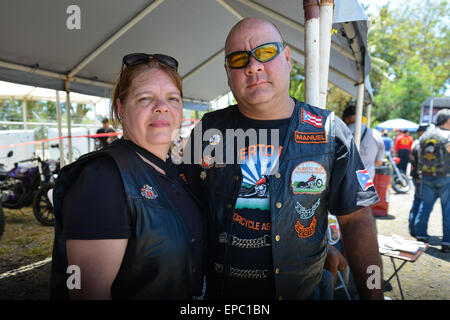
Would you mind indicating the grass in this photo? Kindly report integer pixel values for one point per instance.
(25, 240)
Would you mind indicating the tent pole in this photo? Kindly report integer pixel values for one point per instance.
(69, 128)
(231, 9)
(60, 141)
(359, 107)
(369, 114)
(312, 31)
(326, 22)
(25, 126)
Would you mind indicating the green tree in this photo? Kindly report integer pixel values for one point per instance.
(410, 49)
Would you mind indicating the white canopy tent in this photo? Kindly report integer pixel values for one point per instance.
(40, 47)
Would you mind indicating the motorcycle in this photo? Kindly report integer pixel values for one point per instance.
(259, 190)
(27, 183)
(400, 181)
(2, 214)
(312, 182)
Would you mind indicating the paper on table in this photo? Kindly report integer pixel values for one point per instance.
(395, 242)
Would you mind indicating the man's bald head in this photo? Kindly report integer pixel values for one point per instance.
(239, 30)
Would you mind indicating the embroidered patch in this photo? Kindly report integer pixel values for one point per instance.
(207, 162)
(214, 140)
(334, 233)
(203, 175)
(310, 137)
(306, 213)
(308, 178)
(305, 232)
(364, 179)
(148, 192)
(312, 119)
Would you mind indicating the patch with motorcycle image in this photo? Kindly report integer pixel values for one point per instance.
(308, 177)
(254, 190)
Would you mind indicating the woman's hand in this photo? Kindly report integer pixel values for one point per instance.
(334, 261)
(99, 261)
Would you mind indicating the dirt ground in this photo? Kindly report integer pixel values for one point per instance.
(429, 277)
(26, 241)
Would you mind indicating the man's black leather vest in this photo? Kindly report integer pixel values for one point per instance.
(298, 209)
(157, 263)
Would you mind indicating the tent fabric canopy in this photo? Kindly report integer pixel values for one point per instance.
(398, 124)
(38, 49)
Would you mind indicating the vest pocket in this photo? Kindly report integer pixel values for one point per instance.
(317, 257)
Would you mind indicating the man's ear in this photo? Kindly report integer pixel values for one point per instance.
(287, 54)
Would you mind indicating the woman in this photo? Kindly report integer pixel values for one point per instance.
(125, 219)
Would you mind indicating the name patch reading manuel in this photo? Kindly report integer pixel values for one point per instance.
(310, 137)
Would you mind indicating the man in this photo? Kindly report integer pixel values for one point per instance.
(267, 202)
(434, 165)
(415, 178)
(104, 141)
(372, 148)
(403, 145)
(388, 143)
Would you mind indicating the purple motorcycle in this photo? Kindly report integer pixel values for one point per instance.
(27, 183)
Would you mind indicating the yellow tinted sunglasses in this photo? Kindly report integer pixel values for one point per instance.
(262, 53)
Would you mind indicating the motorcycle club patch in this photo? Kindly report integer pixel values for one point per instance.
(308, 177)
(305, 232)
(148, 192)
(310, 137)
(305, 215)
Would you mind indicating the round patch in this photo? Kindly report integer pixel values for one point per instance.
(308, 178)
(148, 192)
(214, 140)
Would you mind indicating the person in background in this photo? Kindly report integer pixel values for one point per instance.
(388, 142)
(371, 146)
(102, 142)
(403, 145)
(434, 166)
(415, 178)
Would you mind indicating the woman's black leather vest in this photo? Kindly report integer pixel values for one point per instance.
(157, 263)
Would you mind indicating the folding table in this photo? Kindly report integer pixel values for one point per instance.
(404, 257)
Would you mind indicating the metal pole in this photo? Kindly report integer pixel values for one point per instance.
(369, 114)
(359, 107)
(69, 128)
(60, 142)
(312, 32)
(25, 126)
(326, 22)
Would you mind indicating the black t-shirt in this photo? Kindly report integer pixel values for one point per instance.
(95, 207)
(250, 251)
(104, 140)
